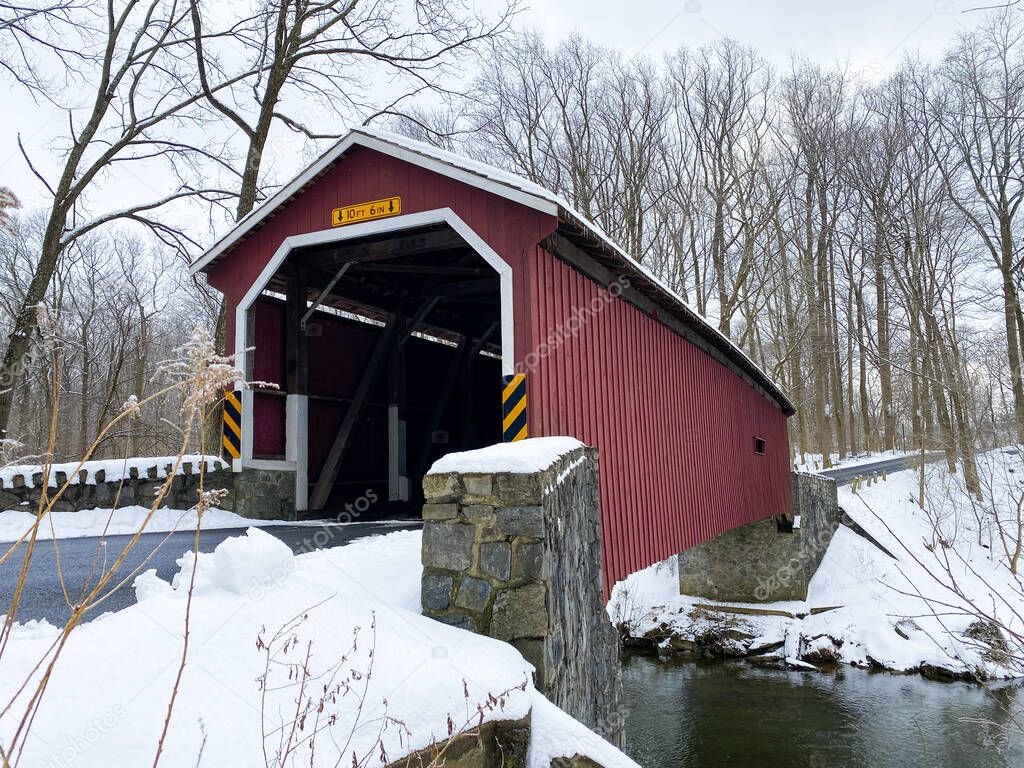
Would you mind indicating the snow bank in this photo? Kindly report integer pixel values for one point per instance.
(555, 734)
(110, 522)
(113, 469)
(523, 457)
(381, 680)
(635, 599)
(949, 542)
(899, 612)
(321, 604)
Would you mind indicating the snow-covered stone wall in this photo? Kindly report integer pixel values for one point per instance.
(110, 483)
(512, 549)
(260, 494)
(765, 561)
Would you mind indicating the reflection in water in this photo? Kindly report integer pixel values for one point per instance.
(710, 714)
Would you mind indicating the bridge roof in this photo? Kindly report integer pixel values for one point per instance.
(513, 187)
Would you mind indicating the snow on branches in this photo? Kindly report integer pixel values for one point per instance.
(8, 202)
(203, 373)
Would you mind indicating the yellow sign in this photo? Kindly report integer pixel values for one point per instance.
(378, 209)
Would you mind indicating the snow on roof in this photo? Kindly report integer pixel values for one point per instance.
(521, 458)
(493, 179)
(485, 170)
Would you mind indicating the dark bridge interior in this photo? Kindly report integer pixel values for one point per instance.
(396, 339)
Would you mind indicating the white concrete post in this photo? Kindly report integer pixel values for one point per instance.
(297, 446)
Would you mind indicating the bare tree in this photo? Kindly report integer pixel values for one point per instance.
(136, 64)
(23, 27)
(814, 101)
(979, 104)
(723, 94)
(119, 308)
(332, 54)
(819, 222)
(576, 119)
(879, 139)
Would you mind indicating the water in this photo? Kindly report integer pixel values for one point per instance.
(706, 714)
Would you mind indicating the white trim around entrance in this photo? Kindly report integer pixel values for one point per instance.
(298, 456)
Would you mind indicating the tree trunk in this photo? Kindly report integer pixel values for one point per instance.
(718, 256)
(139, 377)
(819, 365)
(83, 407)
(835, 361)
(817, 299)
(1010, 311)
(796, 378)
(942, 414)
(870, 441)
(19, 340)
(851, 419)
(882, 330)
(916, 407)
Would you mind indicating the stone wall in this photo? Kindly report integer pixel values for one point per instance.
(264, 494)
(762, 561)
(140, 487)
(253, 493)
(495, 744)
(518, 557)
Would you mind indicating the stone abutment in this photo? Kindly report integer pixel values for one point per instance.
(767, 560)
(517, 556)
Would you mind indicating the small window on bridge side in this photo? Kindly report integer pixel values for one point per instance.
(759, 446)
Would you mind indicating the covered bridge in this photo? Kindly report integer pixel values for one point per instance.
(408, 302)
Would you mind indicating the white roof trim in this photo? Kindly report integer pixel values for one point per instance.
(398, 147)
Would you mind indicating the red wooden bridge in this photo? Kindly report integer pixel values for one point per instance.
(395, 293)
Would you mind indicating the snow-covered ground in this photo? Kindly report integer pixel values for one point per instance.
(337, 631)
(948, 570)
(109, 522)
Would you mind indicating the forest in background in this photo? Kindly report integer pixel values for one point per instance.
(856, 236)
(858, 241)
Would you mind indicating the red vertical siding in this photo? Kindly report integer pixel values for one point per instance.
(674, 428)
(268, 416)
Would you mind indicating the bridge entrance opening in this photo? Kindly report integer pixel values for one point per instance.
(387, 351)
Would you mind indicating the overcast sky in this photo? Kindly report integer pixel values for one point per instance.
(866, 33)
(870, 36)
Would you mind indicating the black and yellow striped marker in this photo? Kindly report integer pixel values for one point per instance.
(232, 437)
(513, 408)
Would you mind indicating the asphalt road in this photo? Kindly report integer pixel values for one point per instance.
(846, 475)
(43, 597)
